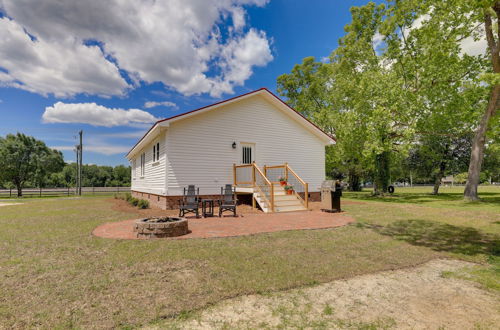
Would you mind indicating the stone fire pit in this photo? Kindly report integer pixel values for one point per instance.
(161, 227)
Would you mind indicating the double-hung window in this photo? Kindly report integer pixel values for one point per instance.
(143, 164)
(156, 152)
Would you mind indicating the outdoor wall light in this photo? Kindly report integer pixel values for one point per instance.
(234, 145)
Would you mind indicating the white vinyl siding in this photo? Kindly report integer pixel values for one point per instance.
(200, 147)
(153, 179)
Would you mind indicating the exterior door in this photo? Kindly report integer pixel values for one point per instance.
(247, 153)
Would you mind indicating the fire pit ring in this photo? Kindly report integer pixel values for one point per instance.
(161, 227)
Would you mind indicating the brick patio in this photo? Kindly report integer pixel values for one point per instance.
(246, 224)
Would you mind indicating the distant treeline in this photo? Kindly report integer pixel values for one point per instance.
(92, 176)
(26, 162)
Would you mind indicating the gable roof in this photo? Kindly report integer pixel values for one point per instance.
(262, 91)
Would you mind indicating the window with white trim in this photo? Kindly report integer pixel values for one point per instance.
(143, 164)
(156, 152)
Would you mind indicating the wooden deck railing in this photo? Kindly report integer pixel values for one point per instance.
(250, 175)
(264, 186)
(275, 172)
(299, 185)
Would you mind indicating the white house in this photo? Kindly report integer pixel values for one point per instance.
(249, 141)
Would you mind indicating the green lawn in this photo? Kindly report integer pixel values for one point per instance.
(55, 274)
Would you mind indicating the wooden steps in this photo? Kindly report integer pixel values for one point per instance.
(282, 201)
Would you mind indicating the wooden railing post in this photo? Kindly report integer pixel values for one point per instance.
(306, 195)
(272, 197)
(253, 174)
(265, 171)
(234, 173)
(286, 172)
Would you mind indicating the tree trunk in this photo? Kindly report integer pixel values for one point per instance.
(354, 182)
(19, 190)
(477, 153)
(381, 173)
(438, 177)
(478, 144)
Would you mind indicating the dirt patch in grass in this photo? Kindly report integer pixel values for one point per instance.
(411, 298)
(7, 204)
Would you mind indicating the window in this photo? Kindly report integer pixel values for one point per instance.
(247, 155)
(156, 152)
(134, 168)
(143, 164)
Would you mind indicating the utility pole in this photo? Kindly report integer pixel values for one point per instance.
(77, 172)
(80, 150)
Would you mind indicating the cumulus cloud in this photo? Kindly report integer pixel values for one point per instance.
(105, 149)
(472, 46)
(67, 47)
(153, 104)
(96, 115)
(62, 68)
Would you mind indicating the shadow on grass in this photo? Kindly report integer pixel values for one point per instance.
(441, 237)
(422, 198)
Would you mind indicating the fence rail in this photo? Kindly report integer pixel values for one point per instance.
(40, 192)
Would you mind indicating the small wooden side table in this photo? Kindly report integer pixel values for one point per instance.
(207, 207)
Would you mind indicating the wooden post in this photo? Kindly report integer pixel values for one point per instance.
(253, 202)
(253, 174)
(272, 197)
(286, 172)
(10, 192)
(306, 195)
(68, 190)
(265, 171)
(234, 173)
(40, 191)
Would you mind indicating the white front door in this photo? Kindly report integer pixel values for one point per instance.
(247, 153)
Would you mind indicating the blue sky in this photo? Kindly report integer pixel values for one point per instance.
(112, 70)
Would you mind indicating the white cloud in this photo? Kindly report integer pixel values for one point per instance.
(62, 68)
(93, 114)
(104, 149)
(238, 58)
(473, 47)
(153, 104)
(176, 42)
(124, 135)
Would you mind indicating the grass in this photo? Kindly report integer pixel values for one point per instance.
(48, 255)
(445, 223)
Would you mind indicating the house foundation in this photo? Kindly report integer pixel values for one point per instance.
(172, 202)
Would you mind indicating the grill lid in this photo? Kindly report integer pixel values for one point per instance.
(328, 184)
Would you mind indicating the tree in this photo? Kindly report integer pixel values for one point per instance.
(345, 96)
(491, 10)
(434, 157)
(23, 158)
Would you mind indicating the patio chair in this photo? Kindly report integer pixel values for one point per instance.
(190, 201)
(228, 200)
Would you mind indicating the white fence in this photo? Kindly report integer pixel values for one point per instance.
(40, 192)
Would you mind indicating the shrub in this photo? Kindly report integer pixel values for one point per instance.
(134, 201)
(128, 197)
(143, 204)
